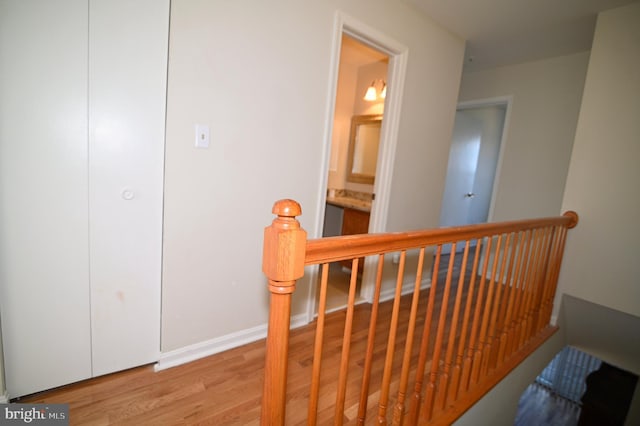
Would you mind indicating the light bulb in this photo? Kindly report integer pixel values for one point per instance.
(371, 94)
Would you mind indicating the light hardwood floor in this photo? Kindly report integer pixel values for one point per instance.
(225, 389)
(221, 389)
(338, 288)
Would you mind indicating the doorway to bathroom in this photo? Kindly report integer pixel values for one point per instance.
(362, 124)
(358, 118)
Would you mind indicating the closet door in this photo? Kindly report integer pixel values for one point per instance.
(82, 111)
(128, 44)
(44, 256)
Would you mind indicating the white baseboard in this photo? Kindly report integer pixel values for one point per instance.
(407, 287)
(4, 398)
(219, 344)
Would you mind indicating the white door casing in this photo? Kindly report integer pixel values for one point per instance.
(398, 54)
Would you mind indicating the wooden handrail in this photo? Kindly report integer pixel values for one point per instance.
(343, 247)
(477, 325)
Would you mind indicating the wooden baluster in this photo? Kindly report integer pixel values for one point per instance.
(530, 289)
(471, 368)
(512, 282)
(428, 406)
(504, 316)
(442, 389)
(519, 290)
(391, 343)
(283, 264)
(346, 345)
(541, 324)
(460, 376)
(507, 290)
(447, 390)
(317, 351)
(484, 343)
(491, 353)
(556, 272)
(562, 238)
(553, 279)
(521, 296)
(368, 360)
(507, 285)
(416, 399)
(548, 276)
(398, 412)
(540, 271)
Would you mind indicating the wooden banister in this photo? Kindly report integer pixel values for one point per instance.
(283, 264)
(332, 249)
(438, 353)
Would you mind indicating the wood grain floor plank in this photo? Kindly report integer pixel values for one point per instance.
(226, 389)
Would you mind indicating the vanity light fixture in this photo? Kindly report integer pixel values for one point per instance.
(372, 93)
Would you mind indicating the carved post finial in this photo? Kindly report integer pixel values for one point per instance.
(287, 208)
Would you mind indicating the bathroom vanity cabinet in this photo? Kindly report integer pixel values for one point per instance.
(355, 222)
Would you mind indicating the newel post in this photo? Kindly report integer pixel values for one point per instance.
(283, 264)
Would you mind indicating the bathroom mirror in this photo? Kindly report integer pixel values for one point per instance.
(363, 148)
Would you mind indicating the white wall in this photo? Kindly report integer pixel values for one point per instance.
(345, 98)
(366, 74)
(601, 257)
(539, 133)
(258, 74)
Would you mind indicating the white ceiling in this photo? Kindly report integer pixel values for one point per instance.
(502, 32)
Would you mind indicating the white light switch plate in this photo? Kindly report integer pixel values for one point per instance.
(202, 136)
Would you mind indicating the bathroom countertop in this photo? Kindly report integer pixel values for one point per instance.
(353, 203)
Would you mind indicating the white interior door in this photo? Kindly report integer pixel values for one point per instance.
(473, 160)
(127, 81)
(492, 119)
(44, 257)
(461, 170)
